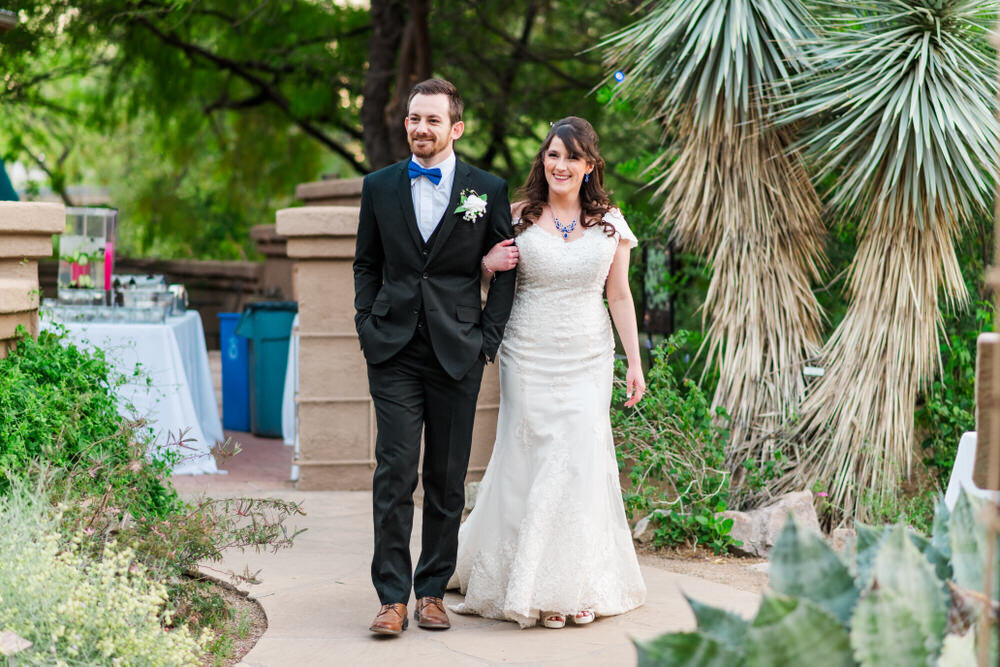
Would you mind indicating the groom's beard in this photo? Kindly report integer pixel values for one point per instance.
(429, 147)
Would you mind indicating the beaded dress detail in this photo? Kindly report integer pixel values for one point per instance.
(548, 532)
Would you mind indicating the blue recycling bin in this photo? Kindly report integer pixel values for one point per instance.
(268, 326)
(235, 374)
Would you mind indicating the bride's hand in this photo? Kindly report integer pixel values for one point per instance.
(501, 257)
(635, 385)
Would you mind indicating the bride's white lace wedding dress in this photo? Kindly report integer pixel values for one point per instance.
(548, 532)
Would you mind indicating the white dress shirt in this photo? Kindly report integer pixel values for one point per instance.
(430, 201)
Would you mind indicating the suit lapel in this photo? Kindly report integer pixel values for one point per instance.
(406, 204)
(463, 180)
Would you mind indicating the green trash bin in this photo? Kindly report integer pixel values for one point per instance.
(268, 327)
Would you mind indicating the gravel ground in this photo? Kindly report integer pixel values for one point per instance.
(730, 570)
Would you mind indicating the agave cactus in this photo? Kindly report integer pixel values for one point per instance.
(897, 598)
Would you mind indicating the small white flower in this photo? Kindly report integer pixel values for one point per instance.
(473, 205)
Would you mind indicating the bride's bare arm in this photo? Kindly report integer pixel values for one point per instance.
(623, 314)
(503, 256)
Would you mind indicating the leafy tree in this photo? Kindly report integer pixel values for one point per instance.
(202, 115)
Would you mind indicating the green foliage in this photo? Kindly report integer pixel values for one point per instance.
(948, 406)
(893, 602)
(60, 429)
(58, 409)
(672, 446)
(201, 117)
(76, 608)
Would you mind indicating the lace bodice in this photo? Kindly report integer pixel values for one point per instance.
(560, 284)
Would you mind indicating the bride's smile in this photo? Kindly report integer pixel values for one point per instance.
(564, 170)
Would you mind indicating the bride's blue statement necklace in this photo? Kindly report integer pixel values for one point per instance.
(565, 229)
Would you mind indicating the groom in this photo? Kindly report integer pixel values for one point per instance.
(426, 337)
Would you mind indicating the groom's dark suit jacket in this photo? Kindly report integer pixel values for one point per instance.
(399, 279)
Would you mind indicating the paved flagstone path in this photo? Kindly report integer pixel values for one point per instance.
(319, 601)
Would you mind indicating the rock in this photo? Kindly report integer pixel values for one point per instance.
(758, 529)
(645, 529)
(10, 643)
(842, 539)
(764, 567)
(471, 494)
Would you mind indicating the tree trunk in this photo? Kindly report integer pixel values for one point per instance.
(400, 50)
(388, 20)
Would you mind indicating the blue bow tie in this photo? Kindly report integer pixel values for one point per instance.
(416, 171)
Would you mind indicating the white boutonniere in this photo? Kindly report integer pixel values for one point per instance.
(473, 205)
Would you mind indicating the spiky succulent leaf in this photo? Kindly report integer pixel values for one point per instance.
(969, 542)
(939, 531)
(803, 565)
(940, 562)
(965, 558)
(719, 624)
(902, 571)
(790, 631)
(717, 54)
(687, 648)
(885, 632)
(868, 540)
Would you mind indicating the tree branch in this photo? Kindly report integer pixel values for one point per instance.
(195, 51)
(499, 130)
(528, 54)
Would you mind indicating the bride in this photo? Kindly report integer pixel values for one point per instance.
(548, 539)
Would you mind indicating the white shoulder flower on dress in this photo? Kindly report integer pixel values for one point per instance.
(472, 206)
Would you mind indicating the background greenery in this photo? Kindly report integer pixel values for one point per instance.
(201, 116)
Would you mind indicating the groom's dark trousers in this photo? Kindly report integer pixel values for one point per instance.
(425, 337)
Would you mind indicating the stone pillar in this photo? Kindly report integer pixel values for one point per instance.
(331, 192)
(336, 415)
(26, 231)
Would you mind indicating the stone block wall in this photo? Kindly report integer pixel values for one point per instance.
(26, 230)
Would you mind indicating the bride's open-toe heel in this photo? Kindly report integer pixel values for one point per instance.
(583, 617)
(554, 621)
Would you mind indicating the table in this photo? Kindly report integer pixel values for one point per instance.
(961, 473)
(174, 390)
(289, 414)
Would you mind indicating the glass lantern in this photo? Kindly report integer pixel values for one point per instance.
(87, 256)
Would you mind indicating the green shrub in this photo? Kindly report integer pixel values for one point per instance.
(58, 409)
(79, 610)
(899, 599)
(672, 445)
(60, 430)
(948, 408)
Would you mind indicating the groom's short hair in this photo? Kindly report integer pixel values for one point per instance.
(440, 87)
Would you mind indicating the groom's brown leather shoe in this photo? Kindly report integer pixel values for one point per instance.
(390, 620)
(431, 615)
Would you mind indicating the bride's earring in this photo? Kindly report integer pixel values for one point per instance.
(586, 177)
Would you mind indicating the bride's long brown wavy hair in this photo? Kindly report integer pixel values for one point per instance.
(580, 140)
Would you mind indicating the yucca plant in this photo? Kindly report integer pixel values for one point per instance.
(896, 599)
(734, 193)
(897, 110)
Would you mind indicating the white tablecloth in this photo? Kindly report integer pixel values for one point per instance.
(289, 415)
(174, 390)
(961, 473)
